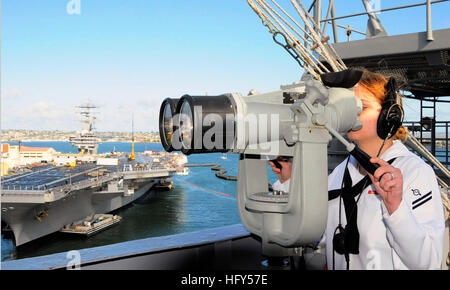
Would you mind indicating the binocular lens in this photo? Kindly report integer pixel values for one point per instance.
(186, 125)
(167, 124)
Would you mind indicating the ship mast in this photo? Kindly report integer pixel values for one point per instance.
(86, 141)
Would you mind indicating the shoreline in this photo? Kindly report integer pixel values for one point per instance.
(438, 146)
(43, 140)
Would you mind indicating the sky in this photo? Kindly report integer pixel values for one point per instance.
(126, 56)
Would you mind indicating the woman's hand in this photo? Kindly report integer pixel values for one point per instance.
(388, 182)
(285, 172)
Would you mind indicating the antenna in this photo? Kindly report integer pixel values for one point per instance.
(85, 140)
(88, 118)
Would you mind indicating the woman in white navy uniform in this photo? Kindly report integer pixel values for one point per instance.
(283, 172)
(395, 217)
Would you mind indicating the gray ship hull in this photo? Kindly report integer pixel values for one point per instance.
(21, 217)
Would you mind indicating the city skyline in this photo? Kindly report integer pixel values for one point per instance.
(58, 135)
(127, 56)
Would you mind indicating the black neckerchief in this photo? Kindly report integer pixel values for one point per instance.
(349, 193)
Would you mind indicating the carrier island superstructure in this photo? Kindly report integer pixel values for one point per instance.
(46, 198)
(85, 140)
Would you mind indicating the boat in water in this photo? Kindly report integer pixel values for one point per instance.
(92, 224)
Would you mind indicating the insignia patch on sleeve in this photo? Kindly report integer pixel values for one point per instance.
(416, 192)
(421, 200)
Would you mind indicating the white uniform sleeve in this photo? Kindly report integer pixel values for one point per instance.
(415, 230)
(277, 185)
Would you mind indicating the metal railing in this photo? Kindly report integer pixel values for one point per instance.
(331, 16)
(132, 169)
(22, 188)
(435, 138)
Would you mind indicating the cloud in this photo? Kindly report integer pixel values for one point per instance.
(39, 115)
(146, 102)
(52, 115)
(118, 117)
(14, 93)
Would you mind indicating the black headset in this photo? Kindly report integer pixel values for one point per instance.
(391, 114)
(339, 240)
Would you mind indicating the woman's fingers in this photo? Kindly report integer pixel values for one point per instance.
(274, 168)
(377, 186)
(380, 173)
(389, 185)
(387, 182)
(379, 161)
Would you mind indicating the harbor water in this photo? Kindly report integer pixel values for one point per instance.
(198, 201)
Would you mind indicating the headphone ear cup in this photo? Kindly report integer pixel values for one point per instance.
(390, 120)
(391, 114)
(339, 241)
(395, 118)
(381, 123)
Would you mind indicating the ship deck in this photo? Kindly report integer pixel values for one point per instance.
(47, 184)
(53, 176)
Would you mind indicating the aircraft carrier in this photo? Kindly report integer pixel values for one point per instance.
(44, 199)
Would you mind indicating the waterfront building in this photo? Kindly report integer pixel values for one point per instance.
(18, 155)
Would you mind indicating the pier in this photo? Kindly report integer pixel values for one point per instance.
(216, 167)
